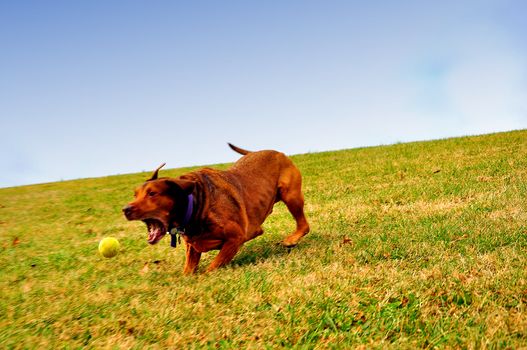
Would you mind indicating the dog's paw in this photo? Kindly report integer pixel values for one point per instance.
(289, 243)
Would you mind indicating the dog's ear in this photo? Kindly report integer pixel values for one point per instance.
(181, 185)
(154, 174)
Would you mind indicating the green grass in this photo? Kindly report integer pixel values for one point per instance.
(412, 245)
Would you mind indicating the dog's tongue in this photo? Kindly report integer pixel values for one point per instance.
(152, 234)
(154, 231)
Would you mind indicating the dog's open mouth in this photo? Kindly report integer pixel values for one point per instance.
(156, 230)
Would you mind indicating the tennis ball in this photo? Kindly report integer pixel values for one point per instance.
(108, 247)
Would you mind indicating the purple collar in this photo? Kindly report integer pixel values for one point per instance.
(190, 209)
(174, 233)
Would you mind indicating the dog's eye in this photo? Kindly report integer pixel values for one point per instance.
(151, 194)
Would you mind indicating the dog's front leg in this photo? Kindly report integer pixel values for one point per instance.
(191, 264)
(227, 252)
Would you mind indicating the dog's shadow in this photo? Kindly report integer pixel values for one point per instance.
(259, 251)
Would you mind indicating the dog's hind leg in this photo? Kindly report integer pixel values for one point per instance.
(290, 188)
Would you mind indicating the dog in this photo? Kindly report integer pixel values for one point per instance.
(214, 209)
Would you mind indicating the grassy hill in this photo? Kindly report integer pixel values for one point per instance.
(412, 245)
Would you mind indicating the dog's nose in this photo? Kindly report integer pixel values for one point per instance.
(127, 210)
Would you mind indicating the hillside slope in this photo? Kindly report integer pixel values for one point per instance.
(412, 245)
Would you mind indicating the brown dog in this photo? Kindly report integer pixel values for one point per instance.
(221, 209)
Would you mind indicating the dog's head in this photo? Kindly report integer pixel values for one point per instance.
(159, 203)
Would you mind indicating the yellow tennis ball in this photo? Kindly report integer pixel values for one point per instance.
(108, 247)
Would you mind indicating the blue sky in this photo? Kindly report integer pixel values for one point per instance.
(93, 88)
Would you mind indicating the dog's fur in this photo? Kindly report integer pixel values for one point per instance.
(229, 206)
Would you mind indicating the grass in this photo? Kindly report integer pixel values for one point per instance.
(418, 245)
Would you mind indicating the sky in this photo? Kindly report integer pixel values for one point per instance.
(95, 88)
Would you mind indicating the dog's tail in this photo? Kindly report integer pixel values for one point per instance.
(238, 149)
